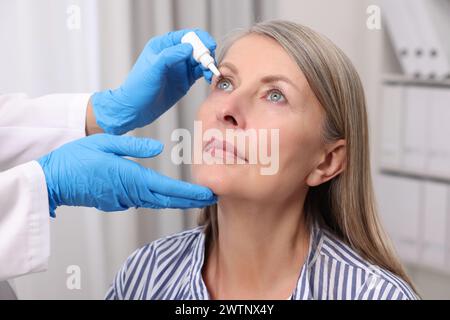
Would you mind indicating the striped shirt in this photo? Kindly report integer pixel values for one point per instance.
(171, 268)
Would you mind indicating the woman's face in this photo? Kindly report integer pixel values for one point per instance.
(261, 87)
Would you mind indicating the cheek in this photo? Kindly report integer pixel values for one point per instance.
(298, 149)
(204, 110)
(296, 144)
(207, 175)
(204, 121)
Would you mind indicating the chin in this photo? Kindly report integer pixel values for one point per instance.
(223, 180)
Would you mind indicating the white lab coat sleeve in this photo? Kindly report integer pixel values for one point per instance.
(30, 128)
(24, 221)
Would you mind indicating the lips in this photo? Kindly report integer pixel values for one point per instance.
(225, 146)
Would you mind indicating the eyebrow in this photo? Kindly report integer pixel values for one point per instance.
(230, 66)
(266, 79)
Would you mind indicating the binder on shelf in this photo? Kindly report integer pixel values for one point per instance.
(438, 162)
(419, 31)
(416, 122)
(388, 206)
(440, 14)
(392, 110)
(405, 42)
(399, 206)
(435, 218)
(430, 19)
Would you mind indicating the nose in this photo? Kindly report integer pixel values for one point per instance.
(230, 113)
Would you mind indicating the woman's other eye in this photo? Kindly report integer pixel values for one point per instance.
(224, 84)
(275, 96)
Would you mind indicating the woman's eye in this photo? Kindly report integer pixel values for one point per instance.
(275, 96)
(224, 84)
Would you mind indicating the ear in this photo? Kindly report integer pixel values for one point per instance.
(332, 163)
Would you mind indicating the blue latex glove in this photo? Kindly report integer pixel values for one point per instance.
(91, 172)
(163, 73)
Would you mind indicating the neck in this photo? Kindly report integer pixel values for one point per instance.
(260, 250)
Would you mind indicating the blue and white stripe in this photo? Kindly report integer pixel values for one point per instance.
(170, 268)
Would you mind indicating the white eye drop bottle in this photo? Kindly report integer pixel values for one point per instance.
(201, 53)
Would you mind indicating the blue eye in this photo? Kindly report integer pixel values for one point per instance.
(224, 84)
(275, 96)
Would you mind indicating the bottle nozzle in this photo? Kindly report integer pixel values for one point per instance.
(201, 53)
(214, 69)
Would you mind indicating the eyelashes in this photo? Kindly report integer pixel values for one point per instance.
(221, 80)
(276, 96)
(273, 95)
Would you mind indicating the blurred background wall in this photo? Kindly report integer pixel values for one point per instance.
(41, 53)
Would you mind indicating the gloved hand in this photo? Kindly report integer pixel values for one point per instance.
(91, 172)
(163, 73)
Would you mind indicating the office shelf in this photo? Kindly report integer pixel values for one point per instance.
(392, 78)
(414, 174)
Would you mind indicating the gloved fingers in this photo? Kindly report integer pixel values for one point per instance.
(163, 201)
(182, 52)
(175, 54)
(200, 71)
(208, 75)
(173, 38)
(167, 186)
(127, 146)
(179, 53)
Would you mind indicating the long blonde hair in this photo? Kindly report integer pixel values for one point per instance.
(345, 205)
